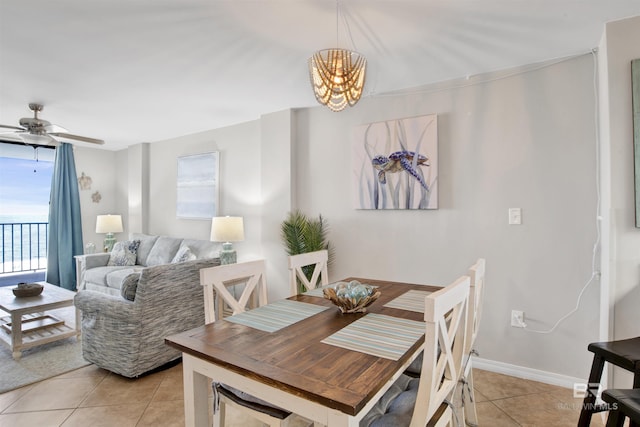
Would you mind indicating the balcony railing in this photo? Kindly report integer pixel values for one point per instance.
(24, 246)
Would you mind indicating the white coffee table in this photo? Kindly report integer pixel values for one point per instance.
(28, 324)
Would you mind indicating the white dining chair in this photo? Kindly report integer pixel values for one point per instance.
(314, 262)
(422, 401)
(216, 282)
(476, 299)
(465, 399)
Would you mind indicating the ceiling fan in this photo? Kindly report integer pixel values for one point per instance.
(34, 130)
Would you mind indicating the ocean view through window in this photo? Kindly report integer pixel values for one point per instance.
(25, 186)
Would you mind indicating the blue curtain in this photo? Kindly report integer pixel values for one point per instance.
(65, 223)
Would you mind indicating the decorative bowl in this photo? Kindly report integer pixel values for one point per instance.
(352, 297)
(28, 290)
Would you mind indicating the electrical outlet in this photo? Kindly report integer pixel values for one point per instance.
(517, 319)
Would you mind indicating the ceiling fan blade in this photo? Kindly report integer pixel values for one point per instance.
(13, 127)
(10, 136)
(53, 128)
(77, 137)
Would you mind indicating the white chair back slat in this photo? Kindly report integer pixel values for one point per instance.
(217, 280)
(476, 298)
(319, 277)
(467, 399)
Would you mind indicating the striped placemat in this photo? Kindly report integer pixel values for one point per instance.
(317, 292)
(277, 315)
(378, 335)
(412, 300)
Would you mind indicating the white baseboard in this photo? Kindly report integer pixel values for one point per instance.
(526, 373)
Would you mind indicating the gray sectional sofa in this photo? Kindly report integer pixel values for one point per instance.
(94, 273)
(127, 311)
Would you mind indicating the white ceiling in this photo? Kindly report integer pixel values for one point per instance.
(147, 70)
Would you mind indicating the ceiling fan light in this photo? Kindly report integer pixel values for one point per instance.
(35, 139)
(337, 77)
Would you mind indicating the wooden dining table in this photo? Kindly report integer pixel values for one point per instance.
(292, 367)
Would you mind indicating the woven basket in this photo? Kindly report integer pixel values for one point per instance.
(27, 290)
(349, 304)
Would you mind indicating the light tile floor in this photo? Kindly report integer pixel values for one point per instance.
(93, 397)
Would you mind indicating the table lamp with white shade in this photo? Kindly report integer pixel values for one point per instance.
(109, 224)
(227, 229)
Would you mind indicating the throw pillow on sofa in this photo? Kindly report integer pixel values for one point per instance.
(124, 253)
(130, 286)
(184, 254)
(163, 251)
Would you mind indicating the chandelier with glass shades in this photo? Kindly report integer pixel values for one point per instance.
(337, 75)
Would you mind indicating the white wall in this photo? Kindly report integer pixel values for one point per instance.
(239, 178)
(623, 248)
(255, 181)
(239, 183)
(136, 184)
(277, 183)
(102, 168)
(524, 141)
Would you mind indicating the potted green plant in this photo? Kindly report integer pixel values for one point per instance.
(301, 234)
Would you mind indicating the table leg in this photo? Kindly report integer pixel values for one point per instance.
(16, 335)
(196, 395)
(339, 419)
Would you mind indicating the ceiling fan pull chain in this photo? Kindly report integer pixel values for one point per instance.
(35, 156)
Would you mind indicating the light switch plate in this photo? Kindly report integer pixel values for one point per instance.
(515, 216)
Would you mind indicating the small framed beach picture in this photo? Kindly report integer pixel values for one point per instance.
(198, 186)
(395, 164)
